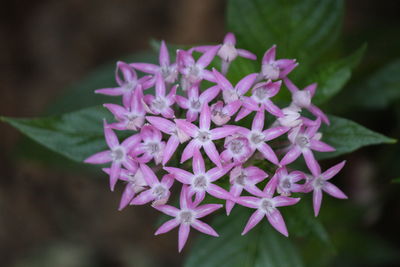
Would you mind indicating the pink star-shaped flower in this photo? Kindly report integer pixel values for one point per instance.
(194, 103)
(302, 99)
(201, 181)
(135, 184)
(221, 114)
(276, 69)
(231, 93)
(319, 182)
(118, 154)
(243, 178)
(161, 103)
(267, 205)
(303, 141)
(227, 51)
(258, 138)
(176, 135)
(187, 216)
(158, 192)
(260, 99)
(203, 136)
(194, 72)
(127, 85)
(130, 117)
(287, 182)
(151, 147)
(168, 71)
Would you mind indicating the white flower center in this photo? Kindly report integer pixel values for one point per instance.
(227, 52)
(159, 191)
(302, 141)
(200, 182)
(117, 154)
(186, 216)
(260, 93)
(241, 179)
(129, 86)
(159, 104)
(319, 182)
(266, 205)
(152, 147)
(236, 146)
(203, 136)
(270, 71)
(256, 138)
(195, 104)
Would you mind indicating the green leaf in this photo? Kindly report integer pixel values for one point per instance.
(75, 135)
(301, 28)
(81, 94)
(332, 77)
(302, 223)
(262, 246)
(396, 180)
(347, 136)
(380, 89)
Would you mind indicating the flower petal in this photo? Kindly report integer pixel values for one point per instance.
(222, 82)
(258, 121)
(269, 55)
(167, 209)
(276, 220)
(189, 150)
(317, 199)
(332, 190)
(275, 132)
(246, 54)
(209, 94)
(206, 209)
(272, 108)
(250, 202)
(148, 175)
(218, 192)
(164, 55)
(187, 127)
(198, 163)
(212, 153)
(268, 153)
(281, 201)
(143, 198)
(311, 162)
(291, 155)
(164, 125)
(146, 67)
(255, 218)
(205, 117)
(160, 85)
(167, 226)
(244, 84)
(331, 172)
(179, 174)
(111, 137)
(204, 228)
(170, 148)
(184, 230)
(114, 174)
(127, 196)
(99, 158)
(320, 146)
(207, 57)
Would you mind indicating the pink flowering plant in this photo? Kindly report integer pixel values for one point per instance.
(234, 130)
(191, 136)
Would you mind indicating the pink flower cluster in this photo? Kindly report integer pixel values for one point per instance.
(207, 125)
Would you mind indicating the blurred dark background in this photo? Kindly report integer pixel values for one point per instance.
(53, 217)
